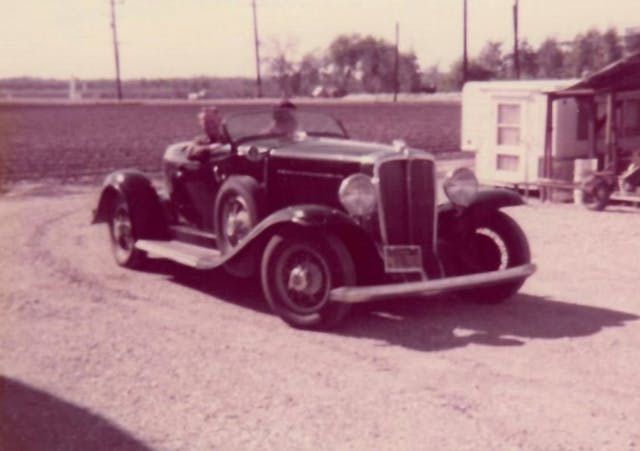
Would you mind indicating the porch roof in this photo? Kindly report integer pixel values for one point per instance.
(622, 75)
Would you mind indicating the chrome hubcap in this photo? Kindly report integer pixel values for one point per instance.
(236, 220)
(305, 278)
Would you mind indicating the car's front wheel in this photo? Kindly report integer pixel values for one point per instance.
(496, 242)
(123, 236)
(298, 272)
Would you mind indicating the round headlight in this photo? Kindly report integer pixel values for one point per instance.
(358, 195)
(461, 186)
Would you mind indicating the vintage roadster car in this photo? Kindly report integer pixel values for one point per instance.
(324, 220)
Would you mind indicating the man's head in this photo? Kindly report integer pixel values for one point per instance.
(209, 119)
(284, 117)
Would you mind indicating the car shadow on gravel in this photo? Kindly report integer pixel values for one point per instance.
(445, 323)
(31, 419)
(216, 283)
(424, 324)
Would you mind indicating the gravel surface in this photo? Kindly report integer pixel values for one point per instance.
(96, 357)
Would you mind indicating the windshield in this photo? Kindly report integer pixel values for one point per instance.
(281, 122)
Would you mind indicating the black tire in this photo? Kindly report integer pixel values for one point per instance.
(496, 243)
(596, 198)
(236, 211)
(123, 234)
(316, 264)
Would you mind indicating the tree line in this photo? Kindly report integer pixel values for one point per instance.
(355, 63)
(362, 64)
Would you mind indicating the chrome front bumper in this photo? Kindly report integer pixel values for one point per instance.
(354, 295)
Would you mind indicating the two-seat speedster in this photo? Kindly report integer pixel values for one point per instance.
(325, 221)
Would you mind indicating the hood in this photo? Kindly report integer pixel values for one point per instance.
(332, 149)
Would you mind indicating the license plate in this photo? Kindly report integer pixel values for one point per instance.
(402, 258)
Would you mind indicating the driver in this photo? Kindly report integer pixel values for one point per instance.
(284, 119)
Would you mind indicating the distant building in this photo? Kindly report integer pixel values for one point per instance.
(74, 94)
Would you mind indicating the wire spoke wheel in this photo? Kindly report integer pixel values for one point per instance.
(298, 272)
(236, 211)
(123, 237)
(304, 278)
(236, 220)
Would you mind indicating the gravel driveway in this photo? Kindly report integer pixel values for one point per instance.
(96, 357)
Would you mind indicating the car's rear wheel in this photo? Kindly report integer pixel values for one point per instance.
(236, 211)
(298, 272)
(496, 243)
(123, 236)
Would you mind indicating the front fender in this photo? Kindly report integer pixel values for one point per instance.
(141, 197)
(315, 218)
(305, 216)
(454, 221)
(486, 200)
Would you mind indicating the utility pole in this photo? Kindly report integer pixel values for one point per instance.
(465, 67)
(115, 49)
(396, 65)
(257, 49)
(516, 55)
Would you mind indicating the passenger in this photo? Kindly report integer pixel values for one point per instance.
(211, 125)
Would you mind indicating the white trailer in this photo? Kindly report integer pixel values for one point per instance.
(506, 123)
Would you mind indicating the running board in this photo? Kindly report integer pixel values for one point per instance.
(198, 257)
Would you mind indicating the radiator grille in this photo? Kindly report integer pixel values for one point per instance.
(407, 201)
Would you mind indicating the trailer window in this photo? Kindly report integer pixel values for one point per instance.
(508, 124)
(507, 162)
(631, 118)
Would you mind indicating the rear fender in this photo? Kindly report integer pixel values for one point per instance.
(141, 197)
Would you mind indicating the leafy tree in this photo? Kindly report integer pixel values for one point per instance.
(550, 59)
(593, 51)
(490, 57)
(475, 72)
(632, 40)
(528, 62)
(368, 64)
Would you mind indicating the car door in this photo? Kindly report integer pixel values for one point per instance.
(201, 180)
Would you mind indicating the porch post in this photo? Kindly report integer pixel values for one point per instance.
(593, 124)
(547, 165)
(610, 131)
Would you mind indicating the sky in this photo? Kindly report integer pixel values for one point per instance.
(183, 38)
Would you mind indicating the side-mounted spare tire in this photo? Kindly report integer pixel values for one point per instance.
(298, 271)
